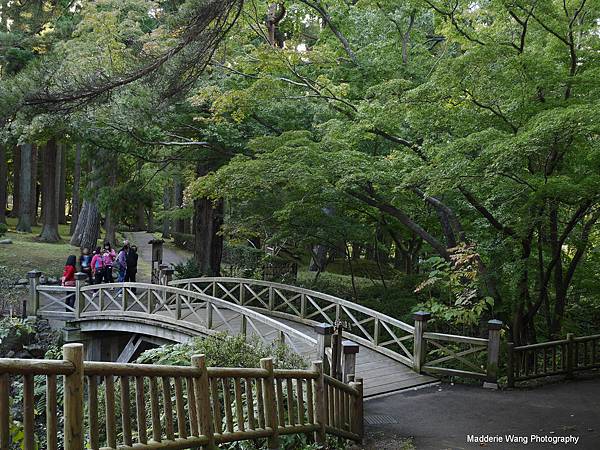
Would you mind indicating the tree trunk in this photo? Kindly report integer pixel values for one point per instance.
(178, 200)
(81, 223)
(110, 224)
(16, 183)
(33, 192)
(3, 183)
(208, 244)
(49, 194)
(75, 196)
(61, 168)
(318, 260)
(208, 219)
(24, 224)
(91, 231)
(166, 222)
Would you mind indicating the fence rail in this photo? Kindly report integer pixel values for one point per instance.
(151, 407)
(561, 357)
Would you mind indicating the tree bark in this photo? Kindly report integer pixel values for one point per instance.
(49, 194)
(318, 260)
(24, 224)
(75, 195)
(61, 169)
(91, 231)
(178, 199)
(34, 184)
(81, 223)
(110, 225)
(16, 183)
(208, 219)
(166, 222)
(3, 183)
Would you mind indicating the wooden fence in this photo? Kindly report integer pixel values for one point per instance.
(138, 406)
(563, 357)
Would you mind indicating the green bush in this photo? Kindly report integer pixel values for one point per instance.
(3, 229)
(184, 241)
(187, 269)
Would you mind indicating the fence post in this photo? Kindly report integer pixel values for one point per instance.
(73, 398)
(493, 354)
(79, 304)
(420, 347)
(510, 365)
(161, 273)
(168, 275)
(321, 406)
(324, 332)
(349, 350)
(30, 307)
(358, 414)
(202, 393)
(570, 354)
(270, 404)
(336, 355)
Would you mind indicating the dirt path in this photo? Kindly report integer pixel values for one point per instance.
(171, 255)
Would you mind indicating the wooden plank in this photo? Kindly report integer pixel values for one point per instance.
(51, 409)
(140, 407)
(28, 413)
(155, 410)
(169, 427)
(111, 428)
(93, 412)
(180, 406)
(125, 411)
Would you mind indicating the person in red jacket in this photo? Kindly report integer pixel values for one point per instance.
(68, 278)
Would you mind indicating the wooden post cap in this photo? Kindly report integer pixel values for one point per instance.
(168, 271)
(34, 274)
(349, 347)
(422, 316)
(494, 324)
(323, 328)
(81, 276)
(163, 266)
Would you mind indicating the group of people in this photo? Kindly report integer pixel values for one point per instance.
(100, 263)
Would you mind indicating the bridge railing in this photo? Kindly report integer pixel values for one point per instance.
(126, 406)
(365, 326)
(561, 357)
(192, 312)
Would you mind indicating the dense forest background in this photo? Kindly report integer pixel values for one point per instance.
(448, 151)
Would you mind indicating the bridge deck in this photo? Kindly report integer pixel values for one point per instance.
(380, 373)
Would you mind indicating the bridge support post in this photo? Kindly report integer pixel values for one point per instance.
(324, 332)
(270, 405)
(30, 307)
(357, 422)
(321, 404)
(349, 351)
(493, 354)
(73, 400)
(161, 273)
(79, 304)
(420, 347)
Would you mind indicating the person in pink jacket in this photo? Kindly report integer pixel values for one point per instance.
(97, 266)
(108, 257)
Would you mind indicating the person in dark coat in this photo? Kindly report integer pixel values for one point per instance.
(132, 262)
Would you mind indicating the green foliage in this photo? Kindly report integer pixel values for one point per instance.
(224, 351)
(187, 269)
(3, 229)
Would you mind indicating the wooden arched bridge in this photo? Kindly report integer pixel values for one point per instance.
(392, 355)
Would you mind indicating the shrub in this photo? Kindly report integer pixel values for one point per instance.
(184, 241)
(3, 229)
(187, 269)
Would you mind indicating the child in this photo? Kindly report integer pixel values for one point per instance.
(85, 261)
(68, 278)
(98, 266)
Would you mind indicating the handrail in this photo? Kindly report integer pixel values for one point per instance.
(179, 407)
(94, 302)
(368, 327)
